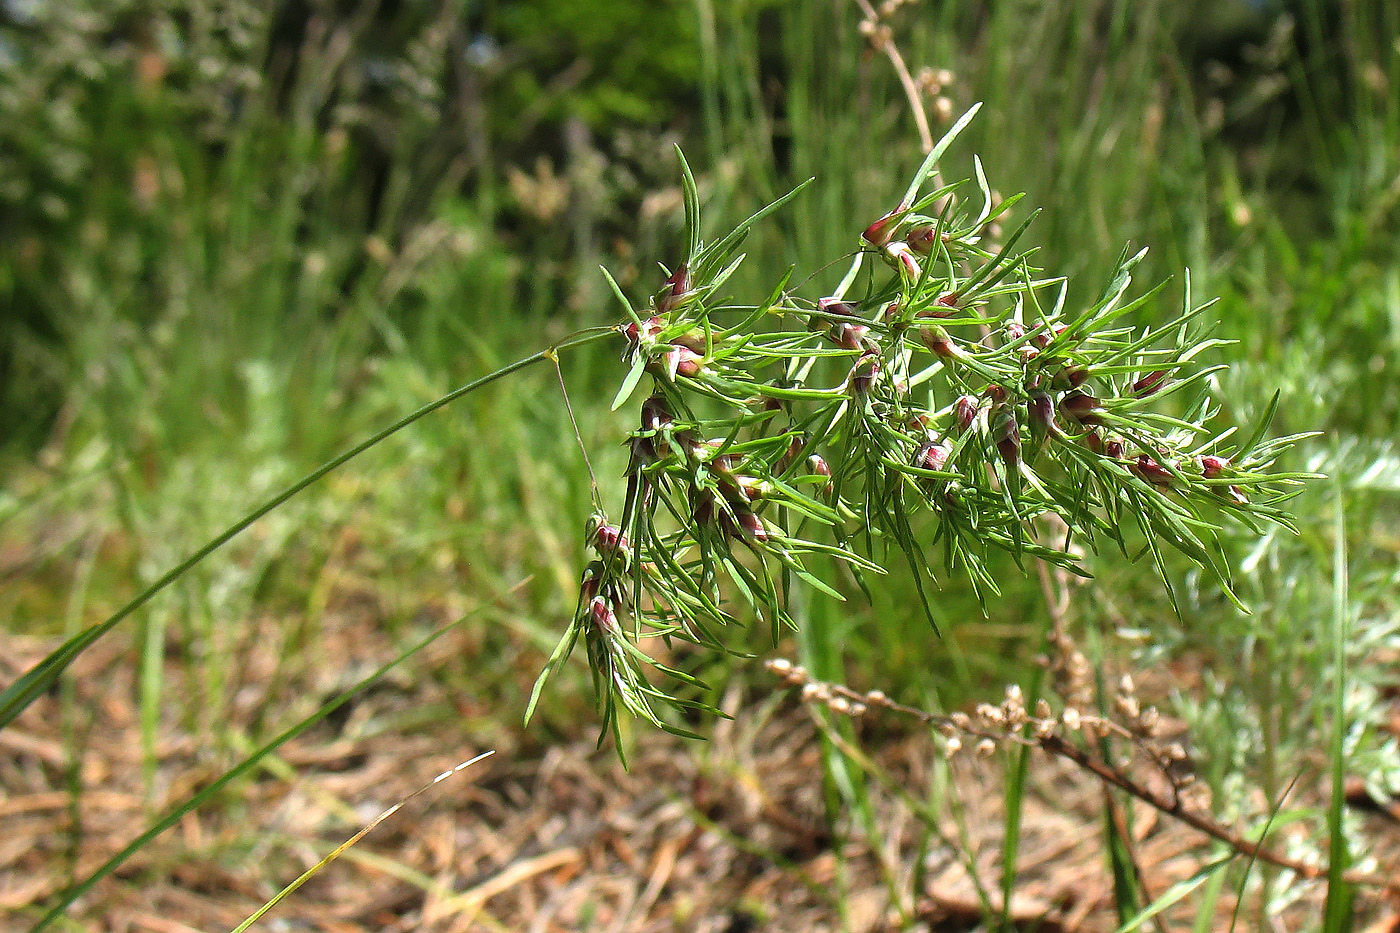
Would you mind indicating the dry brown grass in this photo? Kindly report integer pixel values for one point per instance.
(728, 835)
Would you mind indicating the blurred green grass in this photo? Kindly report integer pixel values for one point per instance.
(230, 252)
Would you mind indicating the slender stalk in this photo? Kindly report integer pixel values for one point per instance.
(906, 80)
(1169, 804)
(38, 679)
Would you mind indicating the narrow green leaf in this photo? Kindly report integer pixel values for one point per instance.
(341, 849)
(936, 153)
(1175, 893)
(174, 815)
(629, 382)
(692, 208)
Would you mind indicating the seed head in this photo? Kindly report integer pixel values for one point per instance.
(990, 715)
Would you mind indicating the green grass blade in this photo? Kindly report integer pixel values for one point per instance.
(692, 207)
(1337, 910)
(243, 767)
(33, 683)
(936, 153)
(1175, 893)
(340, 849)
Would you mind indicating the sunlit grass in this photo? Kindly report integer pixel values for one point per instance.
(225, 337)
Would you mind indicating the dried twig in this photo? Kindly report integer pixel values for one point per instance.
(1045, 732)
(881, 41)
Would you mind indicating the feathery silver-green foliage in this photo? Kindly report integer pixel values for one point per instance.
(925, 416)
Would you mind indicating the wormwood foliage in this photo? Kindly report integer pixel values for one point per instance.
(927, 414)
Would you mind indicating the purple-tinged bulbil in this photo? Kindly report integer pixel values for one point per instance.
(1080, 406)
(1007, 434)
(601, 613)
(964, 412)
(644, 334)
(1213, 467)
(939, 343)
(1042, 339)
(676, 291)
(819, 467)
(1040, 411)
(1150, 384)
(864, 373)
(920, 239)
(882, 231)
(750, 525)
(1148, 469)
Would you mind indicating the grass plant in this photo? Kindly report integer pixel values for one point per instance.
(200, 320)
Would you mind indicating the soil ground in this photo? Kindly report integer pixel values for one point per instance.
(724, 836)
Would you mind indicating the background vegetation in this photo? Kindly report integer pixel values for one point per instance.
(238, 237)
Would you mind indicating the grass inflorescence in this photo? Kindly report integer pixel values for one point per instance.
(944, 400)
